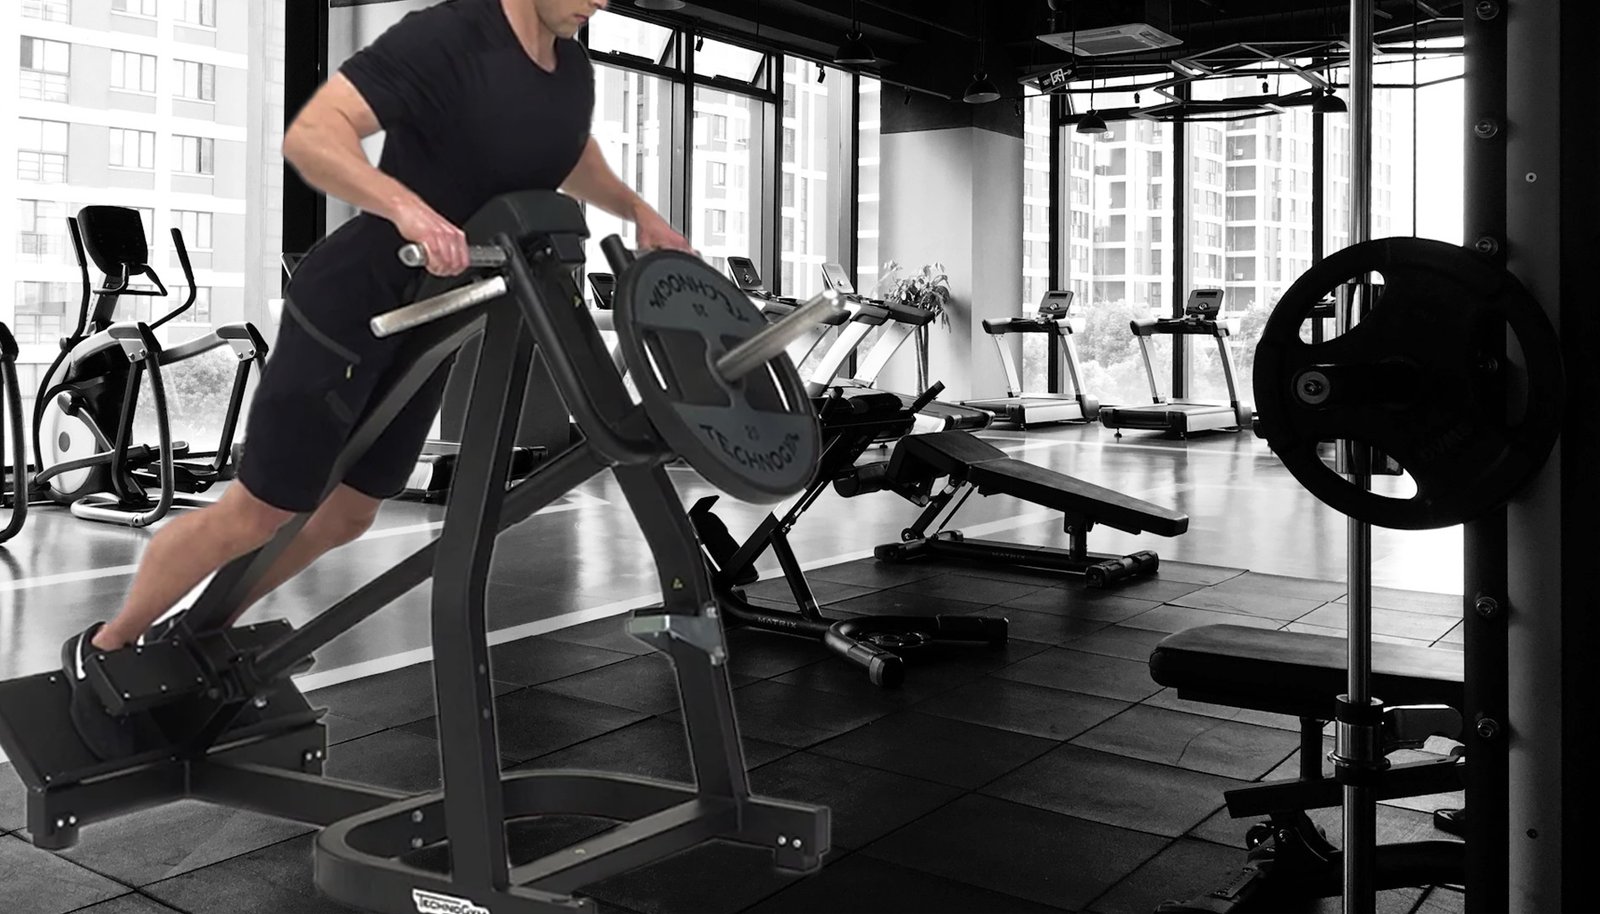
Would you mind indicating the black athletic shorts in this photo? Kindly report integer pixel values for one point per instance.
(320, 375)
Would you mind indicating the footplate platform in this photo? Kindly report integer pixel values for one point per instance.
(144, 677)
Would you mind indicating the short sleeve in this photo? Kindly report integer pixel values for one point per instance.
(405, 75)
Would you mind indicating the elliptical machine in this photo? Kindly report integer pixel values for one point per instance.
(83, 417)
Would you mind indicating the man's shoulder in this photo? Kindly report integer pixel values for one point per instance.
(451, 20)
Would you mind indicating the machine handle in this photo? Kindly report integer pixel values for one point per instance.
(775, 339)
(439, 306)
(478, 255)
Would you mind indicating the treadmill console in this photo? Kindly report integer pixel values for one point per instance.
(604, 286)
(835, 278)
(1203, 305)
(1056, 304)
(742, 270)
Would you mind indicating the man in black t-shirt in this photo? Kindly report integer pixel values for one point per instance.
(476, 98)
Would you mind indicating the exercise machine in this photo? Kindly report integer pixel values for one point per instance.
(876, 643)
(1057, 320)
(743, 272)
(83, 417)
(430, 479)
(1370, 388)
(13, 440)
(208, 712)
(1202, 316)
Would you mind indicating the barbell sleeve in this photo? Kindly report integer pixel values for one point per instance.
(774, 340)
(439, 306)
(478, 255)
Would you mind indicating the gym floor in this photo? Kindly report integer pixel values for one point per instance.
(1051, 775)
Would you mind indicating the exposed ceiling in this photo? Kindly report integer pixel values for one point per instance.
(933, 45)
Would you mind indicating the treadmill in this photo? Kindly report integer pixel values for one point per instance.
(903, 322)
(743, 272)
(1057, 320)
(430, 478)
(1202, 316)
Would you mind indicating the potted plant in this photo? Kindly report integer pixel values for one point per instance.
(927, 289)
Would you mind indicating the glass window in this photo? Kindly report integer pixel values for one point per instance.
(198, 12)
(609, 31)
(45, 68)
(41, 231)
(717, 58)
(868, 262)
(811, 196)
(744, 118)
(132, 149)
(136, 7)
(1036, 215)
(1118, 261)
(132, 72)
(197, 155)
(48, 10)
(196, 228)
(197, 81)
(41, 151)
(717, 173)
(633, 124)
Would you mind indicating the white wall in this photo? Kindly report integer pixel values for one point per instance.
(955, 196)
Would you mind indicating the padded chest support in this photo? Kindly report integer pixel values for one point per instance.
(1296, 673)
(963, 457)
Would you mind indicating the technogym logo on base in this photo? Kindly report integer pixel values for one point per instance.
(434, 903)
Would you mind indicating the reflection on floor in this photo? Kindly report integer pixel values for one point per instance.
(1051, 775)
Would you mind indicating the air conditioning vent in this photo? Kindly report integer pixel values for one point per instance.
(1121, 39)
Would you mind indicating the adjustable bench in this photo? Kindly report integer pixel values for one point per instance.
(1301, 675)
(971, 466)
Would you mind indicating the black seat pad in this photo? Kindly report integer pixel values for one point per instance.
(959, 455)
(1296, 673)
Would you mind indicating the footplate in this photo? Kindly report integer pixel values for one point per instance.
(141, 678)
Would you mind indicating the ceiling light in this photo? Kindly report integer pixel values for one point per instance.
(855, 51)
(1093, 123)
(982, 91)
(665, 6)
(1328, 103)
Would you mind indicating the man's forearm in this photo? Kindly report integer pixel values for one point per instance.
(332, 161)
(593, 181)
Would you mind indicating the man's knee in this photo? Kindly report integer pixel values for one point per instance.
(345, 517)
(246, 521)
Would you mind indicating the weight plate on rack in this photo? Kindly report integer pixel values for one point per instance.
(755, 438)
(1423, 378)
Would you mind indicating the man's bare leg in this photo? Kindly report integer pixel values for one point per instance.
(341, 519)
(186, 550)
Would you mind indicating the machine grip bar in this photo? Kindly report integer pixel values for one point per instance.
(771, 342)
(617, 254)
(439, 306)
(478, 255)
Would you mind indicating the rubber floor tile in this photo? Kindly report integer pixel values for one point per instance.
(1416, 601)
(1128, 793)
(971, 588)
(536, 721)
(169, 840)
(1249, 603)
(714, 878)
(905, 603)
(608, 634)
(860, 884)
(1283, 586)
(40, 882)
(1420, 626)
(1151, 590)
(1168, 699)
(13, 799)
(795, 717)
(129, 904)
(930, 670)
(645, 684)
(1082, 604)
(1089, 674)
(1443, 900)
(1191, 573)
(776, 588)
(866, 803)
(759, 654)
(395, 759)
(654, 748)
(1121, 641)
(937, 749)
(1023, 708)
(1177, 618)
(343, 729)
(875, 574)
(1019, 850)
(273, 880)
(1045, 628)
(1183, 870)
(532, 661)
(388, 699)
(1206, 744)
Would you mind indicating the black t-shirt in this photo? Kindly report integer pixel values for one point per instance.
(467, 115)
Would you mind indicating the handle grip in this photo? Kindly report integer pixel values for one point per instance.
(478, 255)
(774, 340)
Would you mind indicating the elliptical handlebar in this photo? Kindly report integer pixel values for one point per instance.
(182, 250)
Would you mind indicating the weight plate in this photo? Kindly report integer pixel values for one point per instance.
(1423, 378)
(756, 438)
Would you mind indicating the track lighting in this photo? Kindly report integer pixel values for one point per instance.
(982, 90)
